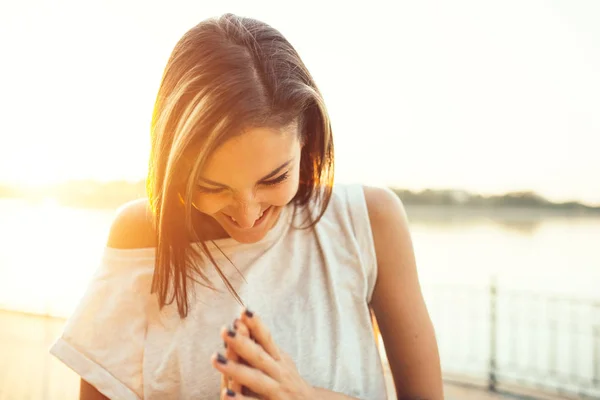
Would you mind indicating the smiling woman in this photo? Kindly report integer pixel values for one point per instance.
(247, 182)
(241, 210)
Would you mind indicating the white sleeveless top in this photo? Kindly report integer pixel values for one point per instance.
(311, 287)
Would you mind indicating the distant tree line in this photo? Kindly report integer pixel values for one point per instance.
(93, 194)
(84, 193)
(458, 198)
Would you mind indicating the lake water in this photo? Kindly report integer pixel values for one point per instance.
(546, 268)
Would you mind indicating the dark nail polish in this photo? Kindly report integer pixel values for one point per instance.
(235, 322)
(225, 344)
(230, 393)
(231, 333)
(221, 359)
(249, 313)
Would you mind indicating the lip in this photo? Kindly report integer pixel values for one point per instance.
(257, 223)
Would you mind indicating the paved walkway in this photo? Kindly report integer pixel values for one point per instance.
(27, 371)
(455, 392)
(452, 391)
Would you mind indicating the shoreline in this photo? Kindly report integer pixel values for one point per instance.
(443, 211)
(498, 212)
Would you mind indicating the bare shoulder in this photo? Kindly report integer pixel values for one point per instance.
(385, 209)
(391, 234)
(132, 227)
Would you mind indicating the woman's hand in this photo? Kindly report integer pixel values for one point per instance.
(230, 354)
(270, 373)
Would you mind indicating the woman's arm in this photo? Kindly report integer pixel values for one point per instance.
(398, 303)
(131, 229)
(88, 392)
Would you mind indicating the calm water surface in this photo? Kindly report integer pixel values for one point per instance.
(546, 268)
(49, 252)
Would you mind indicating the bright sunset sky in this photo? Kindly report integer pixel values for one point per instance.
(484, 96)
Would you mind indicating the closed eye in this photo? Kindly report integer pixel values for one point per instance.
(277, 180)
(272, 182)
(203, 189)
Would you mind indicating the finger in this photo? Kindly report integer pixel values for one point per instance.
(230, 353)
(252, 378)
(224, 382)
(260, 333)
(250, 351)
(228, 394)
(241, 328)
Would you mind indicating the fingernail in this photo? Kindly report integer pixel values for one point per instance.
(235, 322)
(221, 359)
(249, 313)
(225, 344)
(230, 332)
(230, 393)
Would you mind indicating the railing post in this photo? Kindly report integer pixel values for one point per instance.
(596, 358)
(492, 380)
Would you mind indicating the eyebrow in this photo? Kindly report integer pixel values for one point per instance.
(264, 178)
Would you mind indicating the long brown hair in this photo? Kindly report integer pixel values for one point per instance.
(225, 75)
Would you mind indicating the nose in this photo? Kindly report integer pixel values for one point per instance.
(247, 211)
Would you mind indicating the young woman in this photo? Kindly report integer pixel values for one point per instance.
(242, 211)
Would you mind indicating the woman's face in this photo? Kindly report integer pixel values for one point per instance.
(247, 181)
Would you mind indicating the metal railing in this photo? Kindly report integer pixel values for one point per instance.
(490, 335)
(499, 336)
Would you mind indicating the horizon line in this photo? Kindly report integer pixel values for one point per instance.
(57, 184)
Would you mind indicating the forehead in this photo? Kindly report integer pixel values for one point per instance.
(252, 155)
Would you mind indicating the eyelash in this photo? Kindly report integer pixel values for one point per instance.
(203, 189)
(277, 180)
(273, 182)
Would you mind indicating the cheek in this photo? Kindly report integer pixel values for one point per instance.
(211, 203)
(282, 194)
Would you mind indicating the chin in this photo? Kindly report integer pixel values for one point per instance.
(247, 238)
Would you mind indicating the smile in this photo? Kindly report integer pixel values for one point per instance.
(257, 222)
